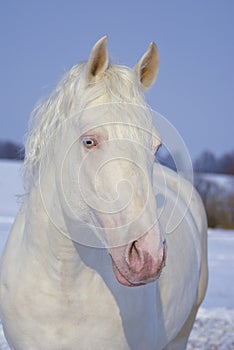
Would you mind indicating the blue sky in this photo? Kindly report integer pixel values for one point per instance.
(40, 40)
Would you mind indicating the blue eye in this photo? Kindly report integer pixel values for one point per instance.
(89, 142)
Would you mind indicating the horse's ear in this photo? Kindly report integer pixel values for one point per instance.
(98, 60)
(147, 68)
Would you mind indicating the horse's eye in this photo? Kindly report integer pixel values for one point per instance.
(89, 142)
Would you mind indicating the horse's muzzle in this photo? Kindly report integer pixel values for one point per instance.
(135, 265)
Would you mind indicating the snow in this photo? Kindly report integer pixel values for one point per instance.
(220, 291)
(214, 327)
(224, 181)
(213, 330)
(10, 188)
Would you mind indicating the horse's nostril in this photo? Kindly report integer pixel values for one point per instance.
(133, 248)
(134, 257)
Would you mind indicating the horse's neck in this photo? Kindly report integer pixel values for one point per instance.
(47, 244)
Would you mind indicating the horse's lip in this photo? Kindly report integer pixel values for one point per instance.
(122, 279)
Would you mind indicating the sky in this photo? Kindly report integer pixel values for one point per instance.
(41, 40)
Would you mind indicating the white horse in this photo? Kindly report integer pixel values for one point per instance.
(89, 226)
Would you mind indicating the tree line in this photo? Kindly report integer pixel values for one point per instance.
(217, 197)
(217, 189)
(207, 162)
(11, 150)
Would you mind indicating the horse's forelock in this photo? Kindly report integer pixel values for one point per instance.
(119, 84)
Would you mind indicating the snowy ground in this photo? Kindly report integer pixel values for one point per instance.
(214, 327)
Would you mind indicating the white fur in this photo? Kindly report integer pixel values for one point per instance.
(56, 293)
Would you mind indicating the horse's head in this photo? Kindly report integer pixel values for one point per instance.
(104, 151)
(117, 146)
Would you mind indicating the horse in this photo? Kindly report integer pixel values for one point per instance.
(90, 262)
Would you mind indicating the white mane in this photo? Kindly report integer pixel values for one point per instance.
(118, 84)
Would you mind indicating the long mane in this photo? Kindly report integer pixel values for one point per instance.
(119, 84)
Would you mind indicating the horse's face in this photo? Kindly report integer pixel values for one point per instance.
(115, 178)
(116, 149)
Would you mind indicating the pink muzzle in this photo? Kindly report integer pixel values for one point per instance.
(140, 261)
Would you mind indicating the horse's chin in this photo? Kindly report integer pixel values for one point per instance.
(123, 280)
